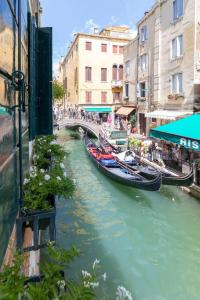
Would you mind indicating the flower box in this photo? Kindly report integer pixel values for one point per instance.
(36, 220)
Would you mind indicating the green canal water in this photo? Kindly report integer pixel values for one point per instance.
(148, 242)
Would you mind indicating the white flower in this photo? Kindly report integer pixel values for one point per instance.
(54, 142)
(61, 283)
(42, 170)
(40, 184)
(47, 177)
(62, 166)
(86, 274)
(104, 276)
(96, 262)
(86, 284)
(94, 284)
(58, 178)
(33, 174)
(123, 294)
(49, 150)
(34, 156)
(33, 169)
(26, 180)
(65, 174)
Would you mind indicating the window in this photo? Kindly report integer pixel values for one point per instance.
(177, 9)
(143, 34)
(143, 62)
(121, 72)
(88, 46)
(177, 47)
(76, 47)
(75, 76)
(65, 83)
(127, 68)
(103, 74)
(142, 89)
(177, 83)
(103, 97)
(114, 48)
(121, 48)
(103, 47)
(88, 97)
(126, 90)
(114, 72)
(88, 74)
(116, 97)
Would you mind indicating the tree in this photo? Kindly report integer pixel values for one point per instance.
(58, 91)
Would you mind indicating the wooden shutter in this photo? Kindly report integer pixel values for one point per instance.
(44, 81)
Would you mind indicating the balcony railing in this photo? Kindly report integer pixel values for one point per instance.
(117, 83)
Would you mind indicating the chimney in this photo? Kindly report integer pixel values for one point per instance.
(96, 30)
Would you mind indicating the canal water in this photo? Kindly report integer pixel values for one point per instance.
(148, 242)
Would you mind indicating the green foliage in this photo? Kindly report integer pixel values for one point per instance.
(47, 176)
(133, 120)
(58, 90)
(75, 135)
(135, 143)
(12, 279)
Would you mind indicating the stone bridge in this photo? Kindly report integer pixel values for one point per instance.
(75, 123)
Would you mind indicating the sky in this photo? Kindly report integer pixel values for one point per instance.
(68, 17)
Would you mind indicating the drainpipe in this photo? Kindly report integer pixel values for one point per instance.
(137, 83)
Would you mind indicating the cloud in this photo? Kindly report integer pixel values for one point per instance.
(90, 25)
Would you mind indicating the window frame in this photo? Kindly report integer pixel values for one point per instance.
(86, 46)
(176, 87)
(87, 68)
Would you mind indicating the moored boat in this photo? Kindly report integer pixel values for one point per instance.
(147, 170)
(114, 169)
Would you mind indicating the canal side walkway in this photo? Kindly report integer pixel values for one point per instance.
(94, 128)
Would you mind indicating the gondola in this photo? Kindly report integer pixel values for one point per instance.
(150, 172)
(109, 166)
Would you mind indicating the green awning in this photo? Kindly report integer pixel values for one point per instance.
(98, 109)
(3, 111)
(184, 132)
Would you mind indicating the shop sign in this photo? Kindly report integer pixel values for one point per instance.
(187, 143)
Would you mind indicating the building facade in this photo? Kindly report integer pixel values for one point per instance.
(24, 46)
(167, 57)
(93, 69)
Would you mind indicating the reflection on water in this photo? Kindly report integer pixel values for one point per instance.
(148, 242)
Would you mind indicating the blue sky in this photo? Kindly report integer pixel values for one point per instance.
(68, 17)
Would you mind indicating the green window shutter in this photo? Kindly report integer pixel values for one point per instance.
(44, 81)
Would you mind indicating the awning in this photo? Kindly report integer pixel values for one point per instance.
(184, 132)
(167, 114)
(98, 109)
(125, 110)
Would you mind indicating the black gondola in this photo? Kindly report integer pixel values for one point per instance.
(150, 172)
(120, 173)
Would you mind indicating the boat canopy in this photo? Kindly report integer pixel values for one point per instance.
(184, 132)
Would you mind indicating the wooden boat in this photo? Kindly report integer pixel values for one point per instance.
(148, 171)
(117, 171)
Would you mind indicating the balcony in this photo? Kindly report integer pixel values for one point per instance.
(116, 84)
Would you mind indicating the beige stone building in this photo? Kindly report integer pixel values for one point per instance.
(168, 62)
(92, 71)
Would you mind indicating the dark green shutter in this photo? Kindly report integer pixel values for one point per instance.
(44, 81)
(32, 76)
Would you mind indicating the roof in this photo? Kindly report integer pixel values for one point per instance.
(185, 132)
(167, 114)
(125, 110)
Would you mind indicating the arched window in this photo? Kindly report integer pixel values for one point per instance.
(114, 72)
(120, 72)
